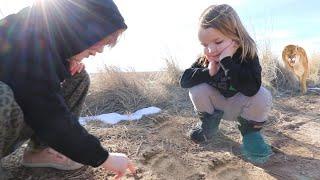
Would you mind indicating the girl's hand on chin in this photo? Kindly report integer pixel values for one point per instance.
(213, 68)
(229, 50)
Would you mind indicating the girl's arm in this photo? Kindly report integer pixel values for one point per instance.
(194, 75)
(245, 77)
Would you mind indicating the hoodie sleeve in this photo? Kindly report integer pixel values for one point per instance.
(245, 76)
(47, 114)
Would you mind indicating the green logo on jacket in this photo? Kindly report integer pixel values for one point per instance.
(231, 88)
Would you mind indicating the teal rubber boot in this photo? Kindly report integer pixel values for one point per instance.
(207, 128)
(253, 147)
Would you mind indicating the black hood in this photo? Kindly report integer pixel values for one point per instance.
(66, 26)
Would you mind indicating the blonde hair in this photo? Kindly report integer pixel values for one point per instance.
(225, 19)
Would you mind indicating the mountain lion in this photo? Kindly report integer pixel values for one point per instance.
(295, 60)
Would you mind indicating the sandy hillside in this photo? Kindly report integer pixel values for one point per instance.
(160, 148)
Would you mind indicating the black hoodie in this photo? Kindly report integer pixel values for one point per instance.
(34, 47)
(235, 76)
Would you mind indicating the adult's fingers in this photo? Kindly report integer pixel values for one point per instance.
(118, 175)
(132, 167)
(76, 68)
(81, 67)
(73, 67)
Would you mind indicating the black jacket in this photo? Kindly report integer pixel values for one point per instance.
(235, 76)
(34, 47)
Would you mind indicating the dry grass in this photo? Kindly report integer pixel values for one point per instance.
(172, 72)
(269, 65)
(314, 65)
(115, 91)
(169, 80)
(125, 92)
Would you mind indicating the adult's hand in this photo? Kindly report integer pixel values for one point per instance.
(119, 163)
(75, 66)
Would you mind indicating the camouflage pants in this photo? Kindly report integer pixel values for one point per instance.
(14, 131)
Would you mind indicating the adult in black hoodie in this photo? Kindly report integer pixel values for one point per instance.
(41, 48)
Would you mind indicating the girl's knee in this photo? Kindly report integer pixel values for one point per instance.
(200, 90)
(258, 106)
(262, 100)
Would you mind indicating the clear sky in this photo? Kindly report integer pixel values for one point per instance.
(158, 29)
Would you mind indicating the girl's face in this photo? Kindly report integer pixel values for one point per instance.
(214, 42)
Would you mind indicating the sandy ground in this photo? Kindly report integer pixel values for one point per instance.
(161, 149)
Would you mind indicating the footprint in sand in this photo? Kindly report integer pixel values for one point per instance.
(228, 173)
(171, 167)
